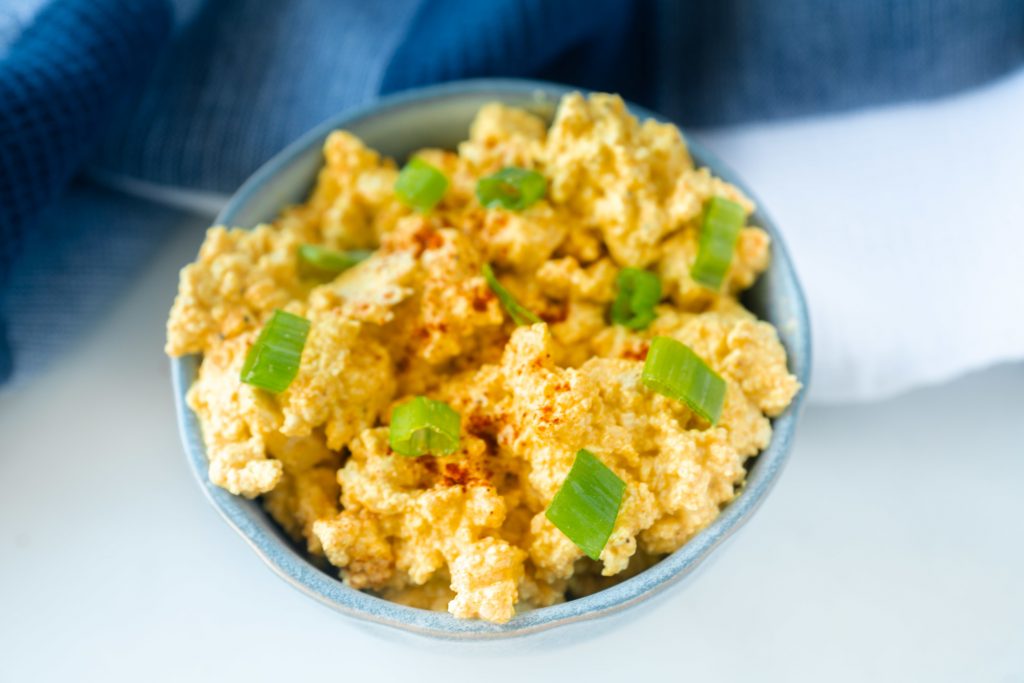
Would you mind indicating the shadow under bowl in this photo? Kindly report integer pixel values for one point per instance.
(439, 116)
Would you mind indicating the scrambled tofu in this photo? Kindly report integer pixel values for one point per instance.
(467, 532)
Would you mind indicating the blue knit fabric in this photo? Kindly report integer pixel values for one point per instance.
(80, 254)
(59, 83)
(61, 80)
(733, 60)
(235, 80)
(237, 85)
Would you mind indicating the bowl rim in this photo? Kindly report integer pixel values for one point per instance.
(244, 515)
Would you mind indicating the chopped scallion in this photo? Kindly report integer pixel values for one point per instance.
(273, 360)
(420, 185)
(673, 369)
(587, 504)
(639, 292)
(423, 426)
(321, 261)
(511, 188)
(719, 230)
(520, 314)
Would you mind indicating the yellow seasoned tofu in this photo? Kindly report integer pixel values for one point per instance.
(467, 531)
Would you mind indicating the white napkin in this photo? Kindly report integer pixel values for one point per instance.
(906, 224)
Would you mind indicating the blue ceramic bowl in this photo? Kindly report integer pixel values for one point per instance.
(439, 117)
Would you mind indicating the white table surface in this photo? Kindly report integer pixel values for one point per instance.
(892, 548)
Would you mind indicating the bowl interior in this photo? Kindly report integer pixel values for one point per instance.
(440, 117)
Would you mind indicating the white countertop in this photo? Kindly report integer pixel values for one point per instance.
(892, 548)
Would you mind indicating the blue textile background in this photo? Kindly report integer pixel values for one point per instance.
(196, 95)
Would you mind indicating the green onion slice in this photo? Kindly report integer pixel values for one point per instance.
(420, 185)
(423, 426)
(317, 260)
(639, 292)
(723, 220)
(586, 505)
(511, 188)
(520, 314)
(673, 369)
(273, 360)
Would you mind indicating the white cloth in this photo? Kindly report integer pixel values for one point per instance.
(906, 224)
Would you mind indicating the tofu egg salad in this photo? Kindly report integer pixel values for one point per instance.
(495, 378)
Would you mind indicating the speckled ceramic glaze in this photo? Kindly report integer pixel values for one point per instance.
(439, 117)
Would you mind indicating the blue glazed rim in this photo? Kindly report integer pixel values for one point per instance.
(252, 523)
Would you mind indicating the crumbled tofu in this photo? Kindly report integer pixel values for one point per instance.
(467, 532)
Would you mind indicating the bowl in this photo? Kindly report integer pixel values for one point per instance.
(439, 116)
